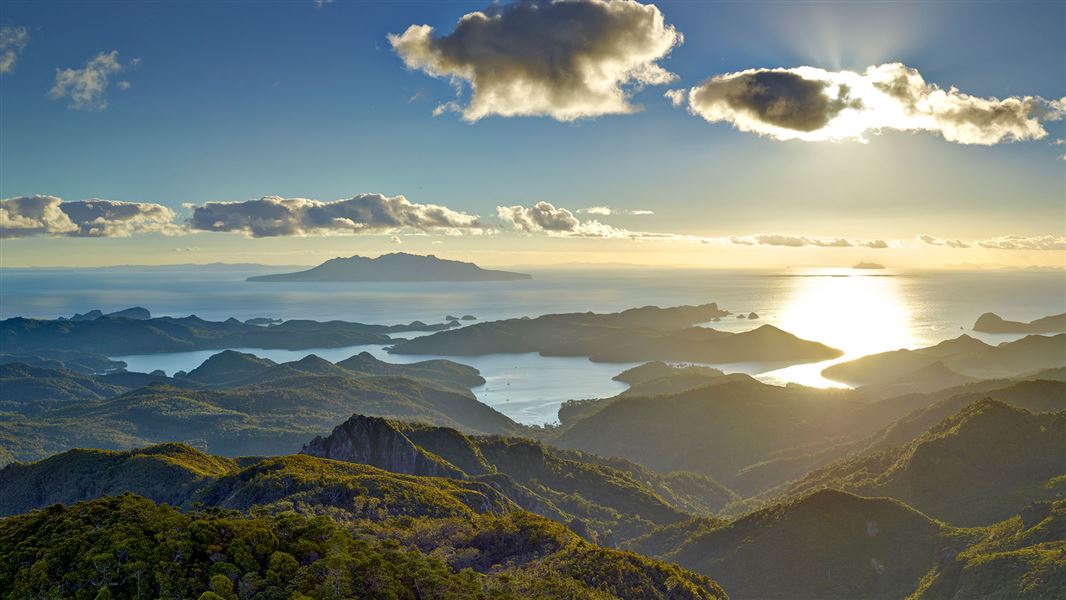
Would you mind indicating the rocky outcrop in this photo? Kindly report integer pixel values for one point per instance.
(379, 443)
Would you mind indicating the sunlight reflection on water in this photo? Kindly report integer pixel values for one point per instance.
(854, 310)
(858, 312)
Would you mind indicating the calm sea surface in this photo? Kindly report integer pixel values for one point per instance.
(859, 312)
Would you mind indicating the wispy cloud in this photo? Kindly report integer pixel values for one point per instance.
(566, 60)
(812, 104)
(799, 241)
(366, 213)
(24, 216)
(87, 87)
(1018, 242)
(12, 42)
(935, 241)
(607, 211)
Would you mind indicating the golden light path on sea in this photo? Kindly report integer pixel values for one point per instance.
(855, 311)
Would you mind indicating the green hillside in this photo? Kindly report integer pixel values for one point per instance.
(272, 417)
(1022, 558)
(130, 547)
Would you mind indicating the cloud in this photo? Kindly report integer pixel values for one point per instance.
(935, 241)
(607, 211)
(23, 216)
(564, 59)
(395, 240)
(798, 241)
(1017, 242)
(12, 42)
(1058, 142)
(447, 107)
(544, 217)
(87, 86)
(366, 213)
(812, 104)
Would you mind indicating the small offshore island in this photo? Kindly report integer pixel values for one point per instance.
(688, 469)
(397, 266)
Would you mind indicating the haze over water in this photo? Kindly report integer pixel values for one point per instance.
(858, 311)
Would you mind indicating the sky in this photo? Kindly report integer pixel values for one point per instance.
(692, 134)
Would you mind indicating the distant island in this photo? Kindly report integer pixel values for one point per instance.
(868, 265)
(398, 266)
(993, 323)
(635, 335)
(138, 313)
(38, 341)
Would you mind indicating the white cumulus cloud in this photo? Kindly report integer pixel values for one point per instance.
(566, 59)
(813, 104)
(366, 213)
(544, 217)
(23, 216)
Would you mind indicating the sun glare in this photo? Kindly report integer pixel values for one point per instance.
(858, 313)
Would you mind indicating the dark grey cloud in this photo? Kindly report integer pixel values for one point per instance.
(812, 104)
(564, 59)
(780, 98)
(366, 213)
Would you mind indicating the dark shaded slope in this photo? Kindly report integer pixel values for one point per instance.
(716, 429)
(824, 545)
(976, 467)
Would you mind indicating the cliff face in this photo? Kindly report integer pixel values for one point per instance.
(375, 441)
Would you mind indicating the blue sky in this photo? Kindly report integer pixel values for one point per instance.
(239, 100)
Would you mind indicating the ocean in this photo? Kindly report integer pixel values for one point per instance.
(858, 311)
